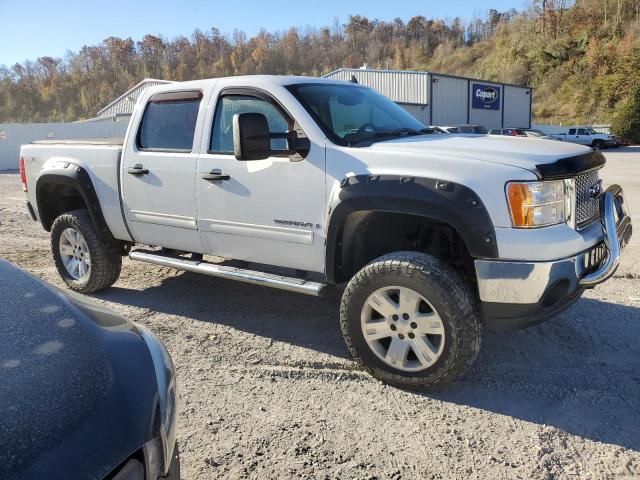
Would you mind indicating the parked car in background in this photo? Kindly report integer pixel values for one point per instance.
(588, 136)
(83, 392)
(478, 129)
(524, 132)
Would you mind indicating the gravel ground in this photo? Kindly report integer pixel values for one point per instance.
(269, 390)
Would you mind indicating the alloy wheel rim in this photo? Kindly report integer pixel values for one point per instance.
(402, 328)
(75, 254)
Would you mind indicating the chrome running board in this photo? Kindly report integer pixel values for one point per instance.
(290, 284)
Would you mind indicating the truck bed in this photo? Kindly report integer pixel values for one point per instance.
(81, 141)
(98, 157)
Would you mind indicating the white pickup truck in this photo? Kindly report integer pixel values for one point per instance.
(435, 236)
(588, 136)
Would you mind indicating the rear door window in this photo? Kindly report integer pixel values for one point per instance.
(572, 131)
(169, 122)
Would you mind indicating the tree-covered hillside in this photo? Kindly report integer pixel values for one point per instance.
(582, 57)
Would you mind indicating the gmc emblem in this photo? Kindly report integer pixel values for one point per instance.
(596, 189)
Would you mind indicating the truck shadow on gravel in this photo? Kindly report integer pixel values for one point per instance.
(579, 372)
(293, 318)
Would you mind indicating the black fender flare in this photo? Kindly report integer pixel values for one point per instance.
(79, 179)
(438, 200)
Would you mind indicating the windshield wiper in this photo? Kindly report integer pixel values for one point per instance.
(401, 132)
(388, 134)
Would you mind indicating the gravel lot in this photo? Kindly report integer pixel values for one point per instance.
(269, 390)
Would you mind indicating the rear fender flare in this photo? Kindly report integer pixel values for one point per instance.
(79, 179)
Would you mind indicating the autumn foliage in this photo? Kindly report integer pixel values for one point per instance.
(582, 57)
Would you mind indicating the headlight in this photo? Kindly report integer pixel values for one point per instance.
(537, 204)
(166, 377)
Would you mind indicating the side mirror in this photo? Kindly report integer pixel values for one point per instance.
(251, 138)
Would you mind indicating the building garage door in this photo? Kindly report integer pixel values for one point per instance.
(517, 107)
(449, 100)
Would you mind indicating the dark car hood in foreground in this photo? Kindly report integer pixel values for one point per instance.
(78, 391)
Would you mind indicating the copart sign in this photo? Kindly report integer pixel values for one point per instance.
(486, 97)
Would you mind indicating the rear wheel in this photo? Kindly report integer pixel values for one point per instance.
(410, 321)
(85, 261)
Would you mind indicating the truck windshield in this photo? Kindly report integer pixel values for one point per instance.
(354, 115)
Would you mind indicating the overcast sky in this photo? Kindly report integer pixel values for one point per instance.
(31, 28)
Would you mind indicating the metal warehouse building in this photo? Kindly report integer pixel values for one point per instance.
(124, 104)
(439, 99)
(13, 135)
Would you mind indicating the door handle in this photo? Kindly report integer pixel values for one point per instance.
(215, 174)
(137, 169)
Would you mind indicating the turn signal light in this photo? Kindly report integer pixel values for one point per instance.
(536, 204)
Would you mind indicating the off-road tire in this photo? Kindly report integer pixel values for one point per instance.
(443, 288)
(106, 257)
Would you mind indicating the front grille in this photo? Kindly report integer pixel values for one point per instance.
(587, 207)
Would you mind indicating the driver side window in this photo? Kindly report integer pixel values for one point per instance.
(228, 105)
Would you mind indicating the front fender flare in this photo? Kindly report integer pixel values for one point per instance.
(439, 200)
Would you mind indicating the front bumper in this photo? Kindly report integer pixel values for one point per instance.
(515, 294)
(150, 466)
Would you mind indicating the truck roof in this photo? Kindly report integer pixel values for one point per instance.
(248, 80)
(244, 80)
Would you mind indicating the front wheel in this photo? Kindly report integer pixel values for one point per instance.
(597, 145)
(410, 321)
(85, 261)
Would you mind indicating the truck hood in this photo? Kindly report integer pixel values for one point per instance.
(527, 153)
